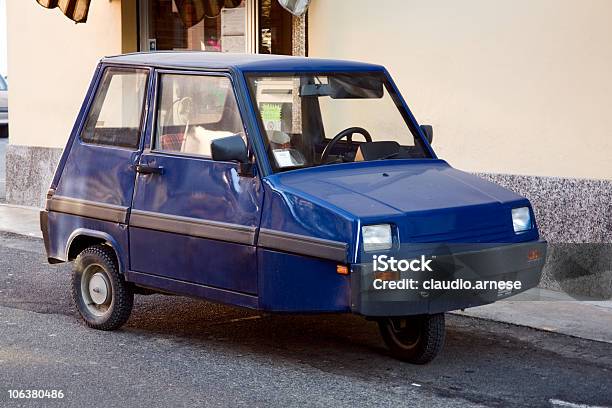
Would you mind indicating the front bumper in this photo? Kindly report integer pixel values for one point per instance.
(482, 265)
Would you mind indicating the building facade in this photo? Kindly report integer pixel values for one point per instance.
(516, 90)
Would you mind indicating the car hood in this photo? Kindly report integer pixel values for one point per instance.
(427, 199)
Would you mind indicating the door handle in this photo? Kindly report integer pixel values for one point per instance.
(146, 169)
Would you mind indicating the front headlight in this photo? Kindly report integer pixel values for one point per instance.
(376, 237)
(521, 219)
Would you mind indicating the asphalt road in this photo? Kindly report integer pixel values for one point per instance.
(184, 352)
(3, 144)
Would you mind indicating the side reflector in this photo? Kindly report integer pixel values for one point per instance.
(342, 269)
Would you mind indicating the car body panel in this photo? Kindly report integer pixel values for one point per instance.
(64, 228)
(300, 284)
(427, 200)
(197, 189)
(109, 181)
(238, 62)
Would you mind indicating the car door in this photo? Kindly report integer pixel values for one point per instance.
(194, 219)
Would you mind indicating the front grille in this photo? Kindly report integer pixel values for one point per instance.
(483, 223)
(490, 234)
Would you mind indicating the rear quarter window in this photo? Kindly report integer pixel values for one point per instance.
(115, 116)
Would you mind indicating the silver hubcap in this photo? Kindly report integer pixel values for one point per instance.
(96, 290)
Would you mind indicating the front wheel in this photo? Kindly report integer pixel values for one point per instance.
(414, 339)
(103, 298)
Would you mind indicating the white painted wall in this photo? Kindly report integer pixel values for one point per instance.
(511, 86)
(3, 54)
(50, 63)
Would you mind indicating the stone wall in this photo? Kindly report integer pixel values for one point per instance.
(575, 217)
(29, 171)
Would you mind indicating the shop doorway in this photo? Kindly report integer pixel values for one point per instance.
(246, 26)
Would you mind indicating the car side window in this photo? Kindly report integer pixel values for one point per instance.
(194, 110)
(116, 113)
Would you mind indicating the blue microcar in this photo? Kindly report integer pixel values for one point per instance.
(281, 184)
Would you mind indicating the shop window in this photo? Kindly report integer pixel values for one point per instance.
(188, 25)
(180, 25)
(275, 28)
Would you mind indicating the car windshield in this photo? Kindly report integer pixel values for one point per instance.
(320, 119)
(3, 86)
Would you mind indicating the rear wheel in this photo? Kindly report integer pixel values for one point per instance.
(414, 339)
(101, 295)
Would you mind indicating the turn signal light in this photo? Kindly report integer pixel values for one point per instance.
(342, 269)
(533, 255)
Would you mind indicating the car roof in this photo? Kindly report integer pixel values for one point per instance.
(241, 62)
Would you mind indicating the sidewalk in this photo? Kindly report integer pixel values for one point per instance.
(537, 308)
(553, 311)
(20, 220)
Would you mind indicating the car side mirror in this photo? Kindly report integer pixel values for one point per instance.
(428, 132)
(229, 148)
(232, 148)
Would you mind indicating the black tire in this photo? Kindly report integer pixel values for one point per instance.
(4, 132)
(414, 339)
(99, 261)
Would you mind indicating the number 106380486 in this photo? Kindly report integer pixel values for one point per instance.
(36, 394)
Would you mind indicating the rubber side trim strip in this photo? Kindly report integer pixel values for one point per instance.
(302, 245)
(90, 209)
(221, 231)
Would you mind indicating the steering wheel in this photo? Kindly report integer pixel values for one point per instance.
(348, 133)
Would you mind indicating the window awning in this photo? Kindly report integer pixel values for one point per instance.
(191, 11)
(194, 11)
(75, 10)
